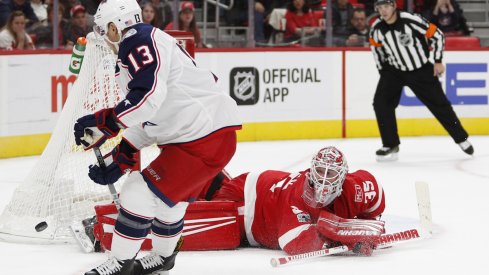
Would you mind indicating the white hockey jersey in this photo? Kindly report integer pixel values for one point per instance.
(169, 98)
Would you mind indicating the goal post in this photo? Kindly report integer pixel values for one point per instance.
(58, 191)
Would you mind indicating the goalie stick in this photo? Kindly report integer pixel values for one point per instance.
(386, 240)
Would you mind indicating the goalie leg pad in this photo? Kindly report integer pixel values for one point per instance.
(211, 225)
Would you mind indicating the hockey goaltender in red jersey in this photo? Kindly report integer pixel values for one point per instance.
(296, 212)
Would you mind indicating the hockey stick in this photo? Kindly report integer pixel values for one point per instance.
(309, 255)
(103, 166)
(79, 229)
(101, 163)
(386, 240)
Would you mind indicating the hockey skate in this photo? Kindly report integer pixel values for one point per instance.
(155, 264)
(467, 147)
(114, 267)
(387, 154)
(83, 234)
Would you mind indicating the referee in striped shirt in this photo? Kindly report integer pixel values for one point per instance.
(400, 43)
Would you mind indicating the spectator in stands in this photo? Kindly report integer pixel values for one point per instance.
(4, 12)
(91, 7)
(186, 22)
(14, 36)
(149, 14)
(78, 26)
(300, 21)
(44, 32)
(263, 9)
(236, 16)
(368, 5)
(40, 9)
(447, 15)
(68, 5)
(342, 13)
(358, 31)
(164, 14)
(9, 6)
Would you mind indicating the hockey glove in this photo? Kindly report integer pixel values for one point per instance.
(94, 130)
(358, 234)
(123, 161)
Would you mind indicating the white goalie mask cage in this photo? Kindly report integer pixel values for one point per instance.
(326, 176)
(123, 13)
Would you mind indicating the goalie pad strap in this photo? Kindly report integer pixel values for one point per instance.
(215, 185)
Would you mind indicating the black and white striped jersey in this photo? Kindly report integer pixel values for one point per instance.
(405, 44)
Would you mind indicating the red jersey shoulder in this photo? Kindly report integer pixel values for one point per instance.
(362, 197)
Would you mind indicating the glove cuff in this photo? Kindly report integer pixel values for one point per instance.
(107, 123)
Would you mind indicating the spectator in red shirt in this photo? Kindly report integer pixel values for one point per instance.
(186, 22)
(300, 20)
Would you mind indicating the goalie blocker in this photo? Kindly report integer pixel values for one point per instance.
(208, 225)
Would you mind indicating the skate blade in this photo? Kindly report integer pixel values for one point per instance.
(388, 158)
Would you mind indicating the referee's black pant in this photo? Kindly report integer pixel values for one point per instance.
(428, 90)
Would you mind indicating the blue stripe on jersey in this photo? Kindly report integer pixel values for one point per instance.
(139, 55)
(157, 191)
(167, 229)
(133, 98)
(133, 226)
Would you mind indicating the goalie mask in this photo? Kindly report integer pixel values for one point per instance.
(325, 178)
(123, 13)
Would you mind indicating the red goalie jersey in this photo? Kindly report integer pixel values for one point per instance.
(276, 216)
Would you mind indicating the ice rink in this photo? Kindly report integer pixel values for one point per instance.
(459, 187)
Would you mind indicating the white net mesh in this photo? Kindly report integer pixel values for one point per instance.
(58, 190)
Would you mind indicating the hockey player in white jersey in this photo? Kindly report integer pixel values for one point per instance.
(169, 101)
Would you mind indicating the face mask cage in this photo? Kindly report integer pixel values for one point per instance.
(326, 177)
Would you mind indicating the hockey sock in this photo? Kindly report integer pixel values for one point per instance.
(129, 233)
(165, 236)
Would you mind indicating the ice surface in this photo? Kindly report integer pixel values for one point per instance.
(459, 187)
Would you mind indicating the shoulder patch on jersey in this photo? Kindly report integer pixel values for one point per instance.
(129, 33)
(301, 216)
(358, 193)
(304, 217)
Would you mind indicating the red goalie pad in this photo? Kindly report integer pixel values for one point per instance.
(208, 225)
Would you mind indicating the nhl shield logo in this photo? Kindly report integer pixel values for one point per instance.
(405, 39)
(244, 87)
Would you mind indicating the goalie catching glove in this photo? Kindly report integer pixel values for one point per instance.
(122, 160)
(93, 130)
(361, 236)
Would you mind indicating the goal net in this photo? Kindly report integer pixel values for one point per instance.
(58, 192)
